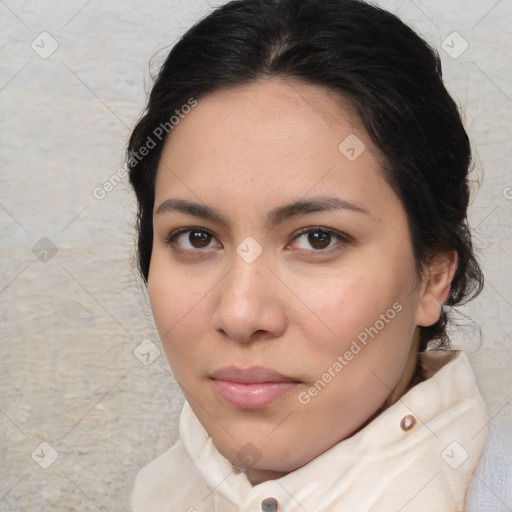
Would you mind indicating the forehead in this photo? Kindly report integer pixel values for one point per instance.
(266, 140)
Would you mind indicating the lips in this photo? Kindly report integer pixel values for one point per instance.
(251, 388)
(254, 374)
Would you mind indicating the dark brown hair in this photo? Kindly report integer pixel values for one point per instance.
(391, 76)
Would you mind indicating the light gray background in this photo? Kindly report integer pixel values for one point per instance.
(70, 322)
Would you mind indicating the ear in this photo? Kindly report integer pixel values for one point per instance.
(435, 288)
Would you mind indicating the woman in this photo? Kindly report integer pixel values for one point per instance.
(301, 175)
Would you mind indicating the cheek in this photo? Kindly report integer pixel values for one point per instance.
(366, 310)
(177, 306)
(344, 303)
(360, 347)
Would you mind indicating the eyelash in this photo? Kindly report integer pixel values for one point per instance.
(343, 238)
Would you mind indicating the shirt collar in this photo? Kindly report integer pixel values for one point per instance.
(428, 416)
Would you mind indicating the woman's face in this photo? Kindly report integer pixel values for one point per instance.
(289, 309)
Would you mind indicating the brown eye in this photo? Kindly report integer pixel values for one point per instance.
(191, 239)
(199, 239)
(319, 239)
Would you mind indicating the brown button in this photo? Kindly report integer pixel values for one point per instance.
(269, 505)
(407, 422)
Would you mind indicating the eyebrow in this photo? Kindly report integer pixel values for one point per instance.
(274, 216)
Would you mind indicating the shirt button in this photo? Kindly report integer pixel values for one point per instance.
(269, 505)
(407, 422)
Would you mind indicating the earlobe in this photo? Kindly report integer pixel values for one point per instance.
(435, 289)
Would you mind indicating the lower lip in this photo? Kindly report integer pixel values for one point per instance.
(254, 395)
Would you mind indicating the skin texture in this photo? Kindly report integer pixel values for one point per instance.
(298, 306)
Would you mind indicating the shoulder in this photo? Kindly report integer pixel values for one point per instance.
(169, 482)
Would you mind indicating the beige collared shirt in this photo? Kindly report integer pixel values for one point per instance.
(418, 455)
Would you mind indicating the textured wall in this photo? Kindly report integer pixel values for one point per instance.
(73, 314)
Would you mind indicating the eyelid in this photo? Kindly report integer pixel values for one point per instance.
(343, 237)
(331, 231)
(186, 229)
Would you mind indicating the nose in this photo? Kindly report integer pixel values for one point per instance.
(248, 303)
